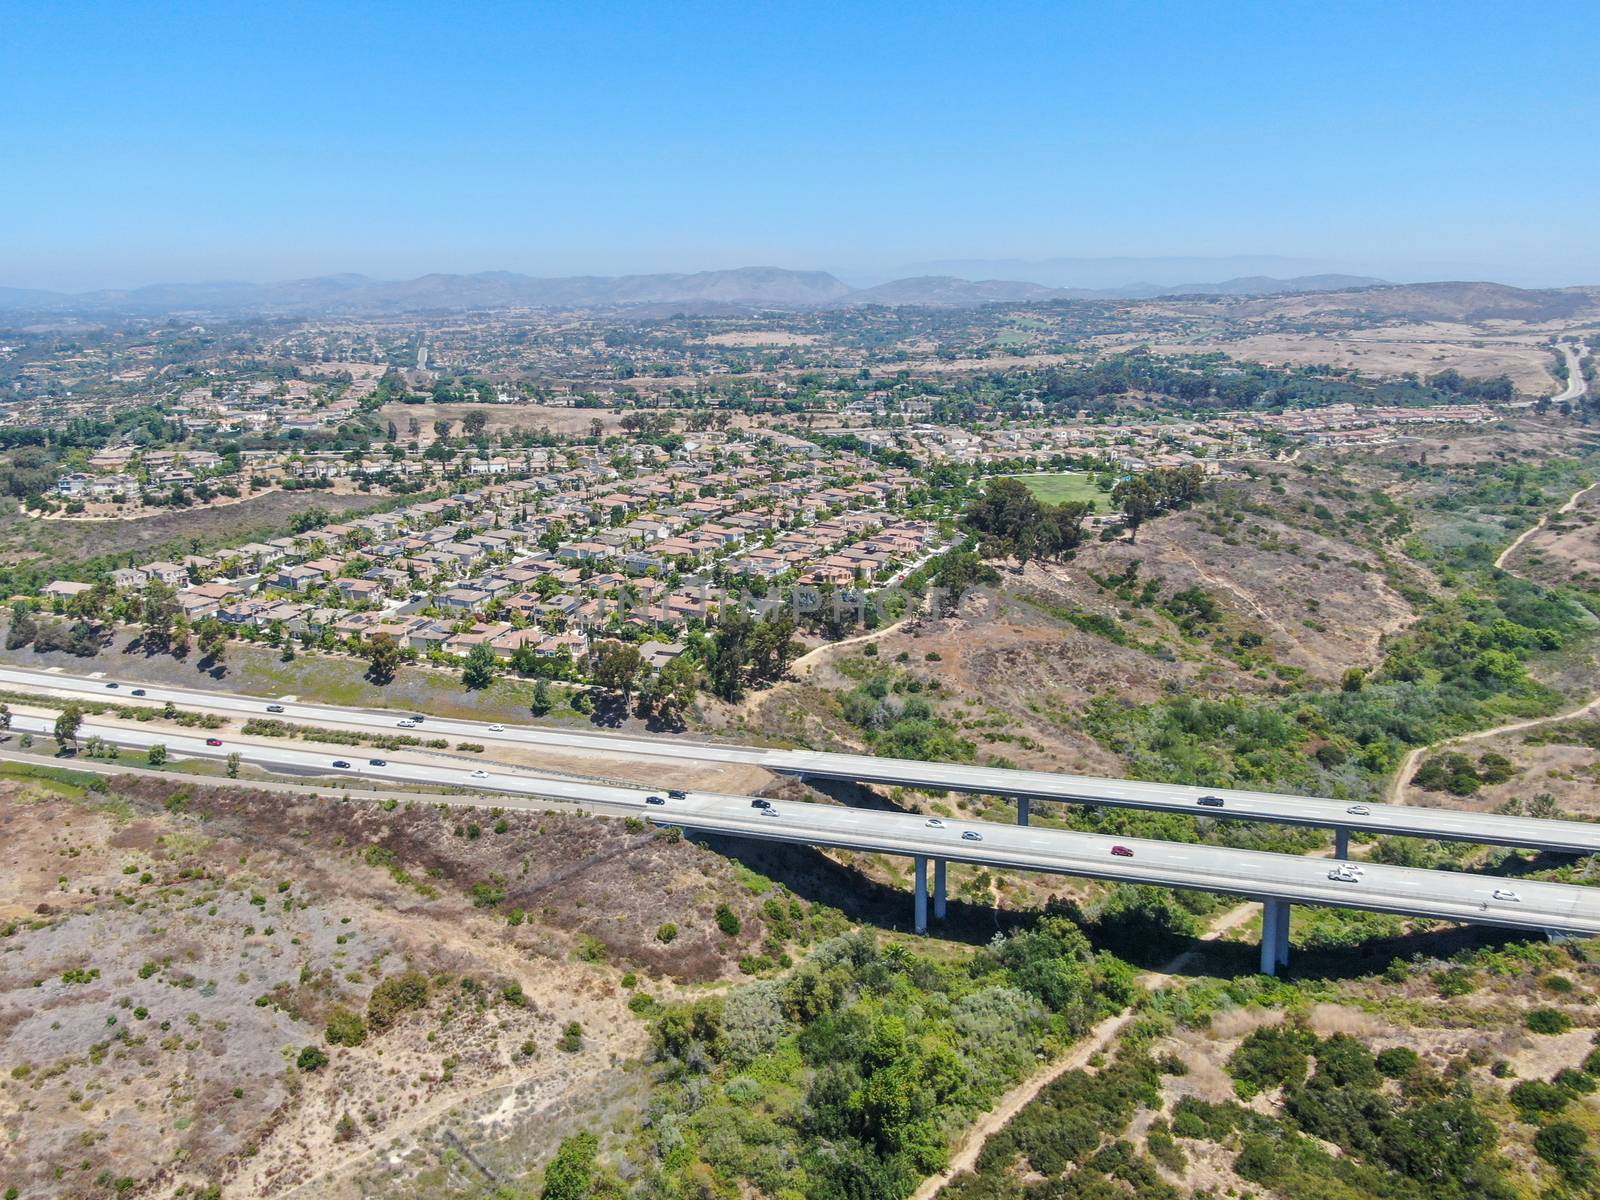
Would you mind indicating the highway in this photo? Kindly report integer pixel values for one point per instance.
(1274, 878)
(1371, 818)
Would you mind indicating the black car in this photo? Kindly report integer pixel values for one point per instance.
(137, 692)
(760, 804)
(654, 800)
(678, 793)
(377, 762)
(339, 762)
(1209, 802)
(113, 685)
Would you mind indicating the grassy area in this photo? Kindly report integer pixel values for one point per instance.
(1075, 485)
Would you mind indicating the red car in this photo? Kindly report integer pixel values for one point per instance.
(1122, 852)
(213, 741)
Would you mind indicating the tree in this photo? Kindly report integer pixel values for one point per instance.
(616, 667)
(669, 693)
(480, 669)
(5, 717)
(541, 698)
(23, 627)
(570, 1175)
(1138, 500)
(213, 639)
(68, 722)
(475, 422)
(442, 429)
(156, 755)
(158, 613)
(233, 765)
(383, 658)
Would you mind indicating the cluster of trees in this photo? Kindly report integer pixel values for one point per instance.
(1432, 1139)
(1011, 522)
(1165, 489)
(868, 1058)
(1457, 774)
(746, 651)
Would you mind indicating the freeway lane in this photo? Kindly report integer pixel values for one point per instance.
(1444, 824)
(1532, 906)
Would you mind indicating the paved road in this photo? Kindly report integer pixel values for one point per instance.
(1403, 891)
(1444, 824)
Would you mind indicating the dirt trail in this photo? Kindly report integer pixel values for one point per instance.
(1408, 765)
(1572, 502)
(1094, 1042)
(1396, 793)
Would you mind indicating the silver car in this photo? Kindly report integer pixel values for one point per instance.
(1507, 895)
(1345, 873)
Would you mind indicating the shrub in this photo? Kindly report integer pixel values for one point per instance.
(728, 920)
(669, 932)
(1397, 1062)
(571, 1038)
(1565, 1146)
(346, 1028)
(1534, 1097)
(311, 1059)
(1548, 1020)
(1272, 1056)
(396, 994)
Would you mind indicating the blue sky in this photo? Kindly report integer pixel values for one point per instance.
(145, 142)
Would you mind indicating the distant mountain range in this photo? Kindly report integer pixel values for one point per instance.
(702, 291)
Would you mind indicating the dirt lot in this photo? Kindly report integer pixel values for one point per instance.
(503, 418)
(26, 539)
(169, 950)
(1425, 349)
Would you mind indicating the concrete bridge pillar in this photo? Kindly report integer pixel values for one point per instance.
(1023, 806)
(921, 922)
(939, 904)
(1274, 935)
(1341, 842)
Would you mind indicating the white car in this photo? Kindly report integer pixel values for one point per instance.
(1359, 810)
(1345, 873)
(497, 729)
(934, 823)
(480, 773)
(972, 835)
(1507, 895)
(407, 723)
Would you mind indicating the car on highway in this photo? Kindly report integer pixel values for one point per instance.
(1359, 810)
(406, 723)
(1507, 895)
(760, 803)
(274, 708)
(137, 692)
(677, 793)
(1210, 802)
(1122, 852)
(480, 773)
(213, 741)
(934, 823)
(377, 762)
(113, 685)
(769, 811)
(497, 728)
(971, 835)
(654, 800)
(341, 764)
(1345, 873)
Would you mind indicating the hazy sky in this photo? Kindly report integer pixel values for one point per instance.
(144, 142)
